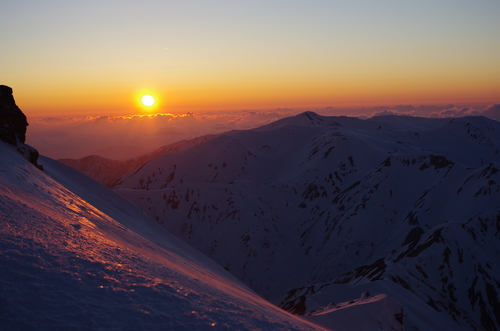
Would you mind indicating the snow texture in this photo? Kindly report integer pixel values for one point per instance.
(311, 211)
(76, 256)
(105, 170)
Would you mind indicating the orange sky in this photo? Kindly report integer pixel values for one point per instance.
(95, 57)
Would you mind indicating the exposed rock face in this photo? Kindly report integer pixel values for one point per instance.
(13, 122)
(13, 125)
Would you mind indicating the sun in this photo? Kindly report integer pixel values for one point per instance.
(148, 100)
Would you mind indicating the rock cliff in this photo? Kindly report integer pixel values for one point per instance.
(13, 125)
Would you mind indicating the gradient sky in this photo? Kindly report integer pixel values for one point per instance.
(97, 57)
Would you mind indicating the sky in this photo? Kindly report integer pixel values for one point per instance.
(79, 68)
(67, 58)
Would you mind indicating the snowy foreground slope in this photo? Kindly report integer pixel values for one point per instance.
(325, 214)
(76, 256)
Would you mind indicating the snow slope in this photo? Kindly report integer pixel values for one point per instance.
(403, 206)
(106, 169)
(76, 256)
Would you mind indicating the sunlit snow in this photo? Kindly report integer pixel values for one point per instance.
(93, 261)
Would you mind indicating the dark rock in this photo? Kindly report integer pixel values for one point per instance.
(13, 122)
(13, 125)
(413, 236)
(296, 306)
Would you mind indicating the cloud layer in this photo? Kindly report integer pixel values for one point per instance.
(75, 137)
(128, 136)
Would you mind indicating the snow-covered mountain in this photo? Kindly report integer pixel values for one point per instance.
(311, 212)
(105, 170)
(74, 255)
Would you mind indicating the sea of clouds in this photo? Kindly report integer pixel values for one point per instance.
(122, 137)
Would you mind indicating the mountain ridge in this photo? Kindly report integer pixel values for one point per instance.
(76, 255)
(106, 170)
(309, 199)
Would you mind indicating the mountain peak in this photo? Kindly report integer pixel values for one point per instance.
(308, 119)
(310, 211)
(314, 119)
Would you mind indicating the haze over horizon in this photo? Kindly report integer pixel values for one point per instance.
(99, 57)
(122, 137)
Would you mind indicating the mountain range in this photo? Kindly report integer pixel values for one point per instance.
(74, 255)
(387, 223)
(105, 170)
(307, 223)
(318, 214)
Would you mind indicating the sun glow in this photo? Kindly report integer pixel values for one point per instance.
(148, 100)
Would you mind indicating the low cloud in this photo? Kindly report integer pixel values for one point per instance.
(76, 137)
(492, 111)
(394, 112)
(456, 112)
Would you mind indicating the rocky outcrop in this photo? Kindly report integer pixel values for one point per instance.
(13, 125)
(13, 122)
